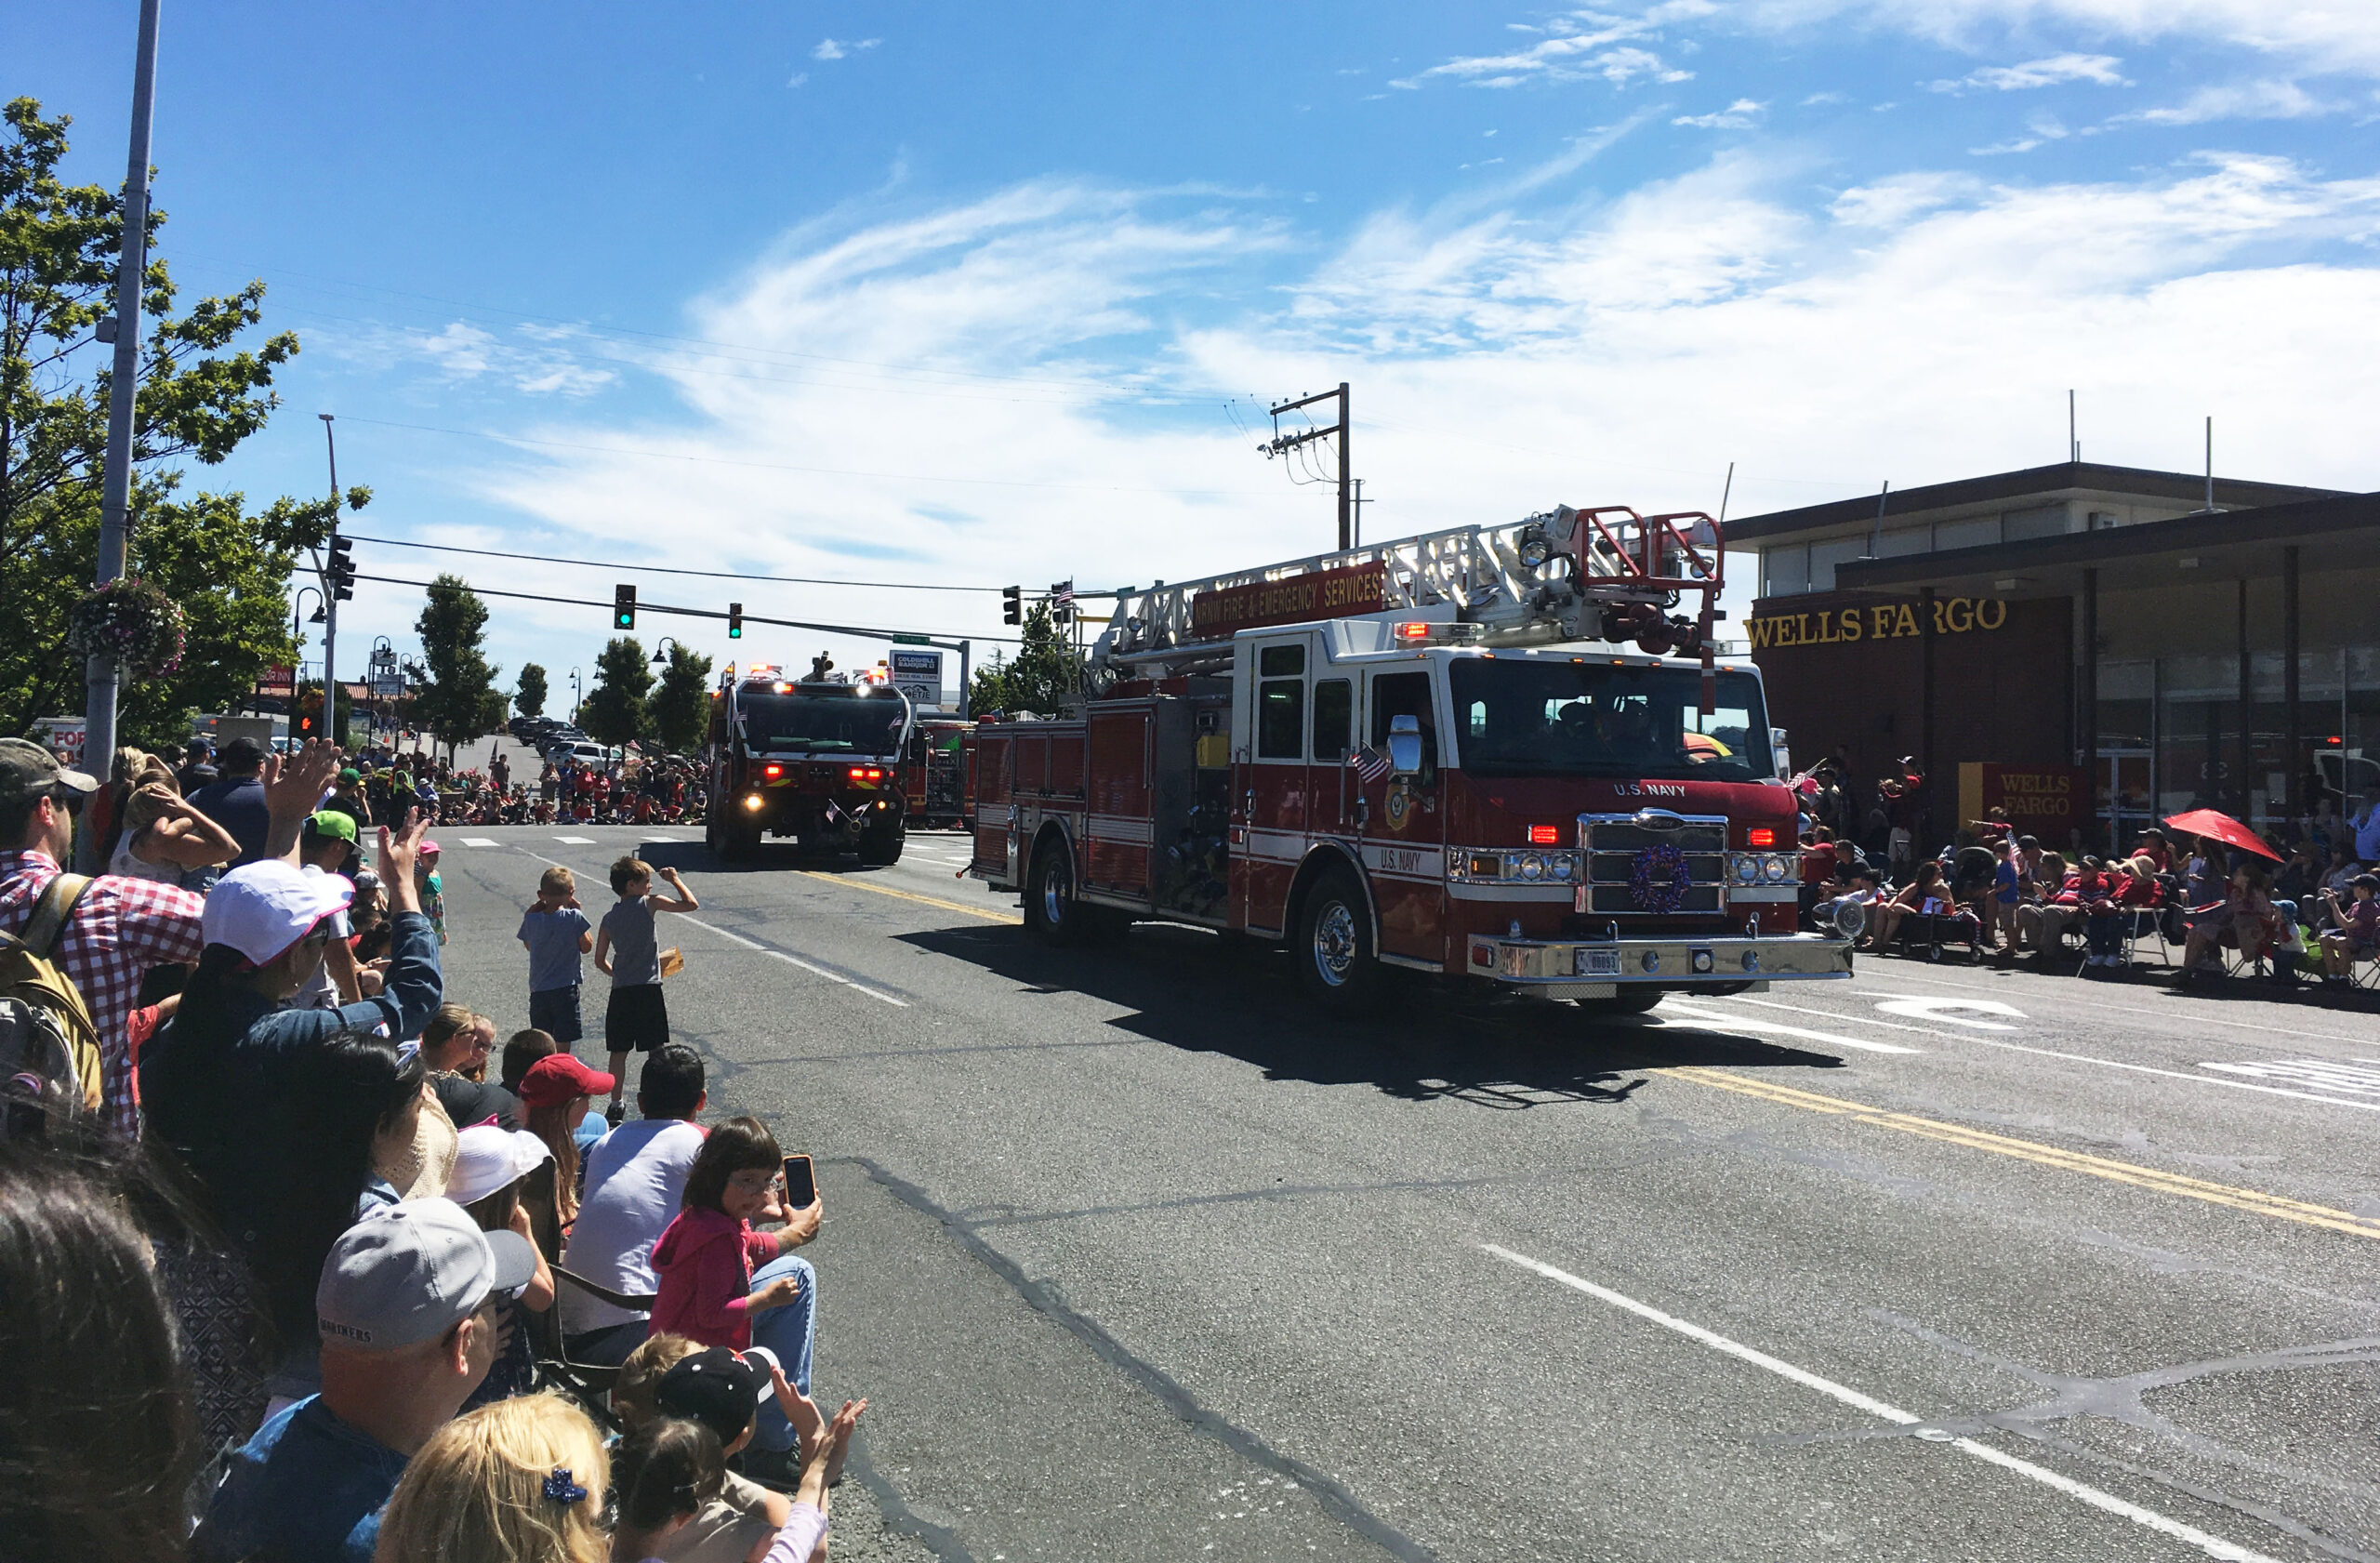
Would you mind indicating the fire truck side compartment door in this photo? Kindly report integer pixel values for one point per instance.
(1404, 828)
(1275, 675)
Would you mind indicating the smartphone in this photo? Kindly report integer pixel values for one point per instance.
(800, 1183)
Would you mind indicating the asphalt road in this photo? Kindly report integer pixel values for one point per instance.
(1137, 1258)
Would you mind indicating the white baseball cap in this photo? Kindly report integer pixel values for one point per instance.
(487, 1157)
(409, 1273)
(263, 908)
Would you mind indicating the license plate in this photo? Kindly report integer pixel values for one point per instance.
(1598, 964)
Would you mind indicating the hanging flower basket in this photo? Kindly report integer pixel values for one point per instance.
(131, 621)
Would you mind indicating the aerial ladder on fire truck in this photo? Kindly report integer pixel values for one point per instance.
(1607, 575)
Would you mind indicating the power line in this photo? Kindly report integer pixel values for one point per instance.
(869, 633)
(828, 472)
(661, 569)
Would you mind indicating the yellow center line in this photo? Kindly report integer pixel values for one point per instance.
(850, 883)
(2236, 1199)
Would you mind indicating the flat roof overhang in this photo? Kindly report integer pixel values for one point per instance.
(2334, 534)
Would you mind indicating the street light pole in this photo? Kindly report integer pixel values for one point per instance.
(116, 491)
(575, 696)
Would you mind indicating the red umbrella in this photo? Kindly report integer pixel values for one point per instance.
(2222, 827)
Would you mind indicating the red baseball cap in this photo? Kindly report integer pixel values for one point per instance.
(558, 1077)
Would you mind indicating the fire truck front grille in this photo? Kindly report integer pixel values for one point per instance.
(1654, 863)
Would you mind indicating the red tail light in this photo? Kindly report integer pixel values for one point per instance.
(772, 770)
(1760, 836)
(1544, 835)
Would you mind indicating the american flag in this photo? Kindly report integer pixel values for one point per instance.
(1369, 764)
(1062, 595)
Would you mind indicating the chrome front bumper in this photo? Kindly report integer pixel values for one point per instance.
(1599, 969)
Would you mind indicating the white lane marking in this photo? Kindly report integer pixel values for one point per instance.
(2166, 1017)
(479, 841)
(2085, 1057)
(678, 840)
(1930, 1008)
(575, 840)
(2322, 1073)
(1838, 1015)
(881, 998)
(1740, 1023)
(2165, 1525)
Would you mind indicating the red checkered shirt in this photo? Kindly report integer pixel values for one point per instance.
(120, 929)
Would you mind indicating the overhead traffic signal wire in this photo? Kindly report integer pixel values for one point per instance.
(865, 631)
(664, 569)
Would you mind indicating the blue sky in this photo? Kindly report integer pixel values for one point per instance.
(969, 295)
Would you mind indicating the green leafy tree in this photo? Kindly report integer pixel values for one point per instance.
(531, 698)
(682, 704)
(200, 395)
(458, 700)
(989, 692)
(1045, 676)
(615, 711)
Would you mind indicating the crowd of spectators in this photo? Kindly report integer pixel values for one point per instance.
(2305, 903)
(306, 1267)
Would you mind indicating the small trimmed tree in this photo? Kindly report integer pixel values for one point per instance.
(616, 711)
(531, 698)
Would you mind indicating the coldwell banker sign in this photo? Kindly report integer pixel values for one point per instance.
(917, 674)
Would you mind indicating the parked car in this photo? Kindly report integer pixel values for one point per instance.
(583, 750)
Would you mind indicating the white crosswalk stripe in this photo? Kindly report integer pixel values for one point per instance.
(479, 841)
(2317, 1074)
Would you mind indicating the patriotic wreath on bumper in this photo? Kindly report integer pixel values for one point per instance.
(1656, 879)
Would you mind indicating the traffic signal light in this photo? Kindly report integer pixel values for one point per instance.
(340, 573)
(736, 621)
(1012, 605)
(623, 607)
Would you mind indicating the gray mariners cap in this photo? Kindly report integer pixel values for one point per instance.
(409, 1273)
(27, 770)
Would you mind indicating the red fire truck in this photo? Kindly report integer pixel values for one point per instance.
(817, 759)
(1493, 754)
(935, 768)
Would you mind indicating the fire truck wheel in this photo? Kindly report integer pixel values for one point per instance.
(880, 845)
(1635, 1001)
(1333, 948)
(1052, 913)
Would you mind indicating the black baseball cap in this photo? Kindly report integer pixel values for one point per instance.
(715, 1387)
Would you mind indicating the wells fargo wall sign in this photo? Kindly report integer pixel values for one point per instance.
(1880, 621)
(1358, 589)
(2045, 801)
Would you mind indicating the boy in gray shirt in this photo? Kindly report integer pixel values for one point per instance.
(556, 933)
(626, 950)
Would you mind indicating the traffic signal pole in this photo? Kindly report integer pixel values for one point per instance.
(331, 588)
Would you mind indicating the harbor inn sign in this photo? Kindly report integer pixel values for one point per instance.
(1878, 621)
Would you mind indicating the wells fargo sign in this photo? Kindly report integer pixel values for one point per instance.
(1881, 621)
(1358, 588)
(2045, 801)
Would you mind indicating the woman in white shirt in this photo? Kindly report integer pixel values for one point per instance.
(163, 836)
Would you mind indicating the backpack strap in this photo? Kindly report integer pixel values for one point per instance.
(57, 904)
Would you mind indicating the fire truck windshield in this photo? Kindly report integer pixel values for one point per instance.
(1524, 717)
(838, 723)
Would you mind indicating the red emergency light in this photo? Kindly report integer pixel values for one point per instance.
(1760, 836)
(866, 773)
(772, 770)
(1544, 835)
(1413, 629)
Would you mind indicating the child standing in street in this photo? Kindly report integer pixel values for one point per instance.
(556, 933)
(636, 1020)
(431, 888)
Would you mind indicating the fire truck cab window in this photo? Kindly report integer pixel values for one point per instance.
(837, 723)
(1334, 719)
(1396, 694)
(1522, 717)
(1280, 720)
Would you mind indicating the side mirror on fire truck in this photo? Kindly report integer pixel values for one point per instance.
(1405, 745)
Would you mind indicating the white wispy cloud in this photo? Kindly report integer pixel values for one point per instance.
(2264, 99)
(2326, 34)
(1738, 115)
(2053, 71)
(1047, 364)
(1578, 46)
(532, 360)
(837, 49)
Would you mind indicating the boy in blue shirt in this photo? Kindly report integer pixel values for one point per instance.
(556, 933)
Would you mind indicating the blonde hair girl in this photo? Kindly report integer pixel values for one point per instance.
(520, 1481)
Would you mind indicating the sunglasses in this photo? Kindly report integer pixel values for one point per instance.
(71, 800)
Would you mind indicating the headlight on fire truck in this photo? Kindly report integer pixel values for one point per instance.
(1764, 868)
(1527, 867)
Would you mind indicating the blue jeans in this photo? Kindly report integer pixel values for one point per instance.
(791, 1332)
